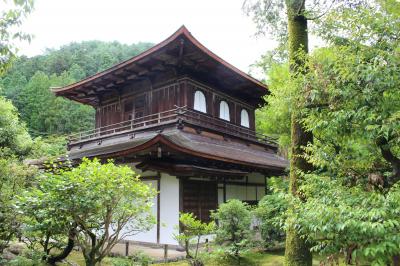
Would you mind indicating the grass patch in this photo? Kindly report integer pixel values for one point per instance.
(275, 258)
(250, 259)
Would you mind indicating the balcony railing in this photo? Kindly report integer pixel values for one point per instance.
(177, 115)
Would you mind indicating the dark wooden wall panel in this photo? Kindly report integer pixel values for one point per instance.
(166, 98)
(199, 198)
(190, 90)
(252, 120)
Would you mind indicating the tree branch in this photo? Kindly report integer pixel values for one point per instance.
(323, 13)
(388, 155)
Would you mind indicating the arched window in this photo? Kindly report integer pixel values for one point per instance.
(224, 111)
(200, 102)
(244, 118)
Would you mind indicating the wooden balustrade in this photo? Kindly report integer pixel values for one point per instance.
(184, 114)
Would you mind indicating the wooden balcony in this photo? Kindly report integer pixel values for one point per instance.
(179, 116)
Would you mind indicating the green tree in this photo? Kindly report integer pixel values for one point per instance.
(274, 118)
(15, 141)
(294, 30)
(352, 222)
(47, 114)
(233, 220)
(271, 212)
(99, 204)
(15, 144)
(191, 231)
(28, 80)
(296, 26)
(354, 115)
(10, 19)
(46, 224)
(353, 112)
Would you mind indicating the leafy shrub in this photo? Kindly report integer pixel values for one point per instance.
(233, 230)
(140, 258)
(120, 262)
(191, 232)
(93, 198)
(271, 210)
(28, 258)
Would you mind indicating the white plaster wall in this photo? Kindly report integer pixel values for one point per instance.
(256, 178)
(169, 208)
(149, 236)
(260, 192)
(220, 194)
(235, 192)
(241, 193)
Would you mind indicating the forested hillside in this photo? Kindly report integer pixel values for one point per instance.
(28, 81)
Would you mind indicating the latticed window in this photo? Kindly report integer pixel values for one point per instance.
(224, 111)
(200, 102)
(244, 118)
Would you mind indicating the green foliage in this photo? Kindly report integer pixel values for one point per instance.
(274, 118)
(352, 109)
(354, 92)
(271, 212)
(361, 224)
(141, 259)
(191, 231)
(14, 139)
(15, 145)
(27, 83)
(28, 258)
(233, 232)
(119, 261)
(104, 202)
(24, 261)
(46, 225)
(48, 147)
(45, 113)
(11, 17)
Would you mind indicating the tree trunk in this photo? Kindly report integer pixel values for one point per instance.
(90, 262)
(297, 252)
(396, 260)
(65, 252)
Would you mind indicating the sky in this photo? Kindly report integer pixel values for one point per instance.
(220, 25)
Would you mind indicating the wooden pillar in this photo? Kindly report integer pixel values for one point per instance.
(165, 253)
(158, 206)
(247, 184)
(265, 185)
(180, 201)
(126, 248)
(224, 194)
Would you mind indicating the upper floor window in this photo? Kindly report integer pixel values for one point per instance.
(200, 102)
(244, 118)
(224, 111)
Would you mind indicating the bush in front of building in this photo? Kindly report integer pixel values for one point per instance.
(233, 232)
(270, 213)
(100, 203)
(191, 232)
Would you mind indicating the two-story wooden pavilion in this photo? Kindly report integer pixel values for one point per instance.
(184, 119)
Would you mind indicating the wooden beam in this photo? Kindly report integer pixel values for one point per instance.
(158, 206)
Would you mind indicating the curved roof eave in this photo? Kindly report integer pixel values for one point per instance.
(160, 139)
(181, 31)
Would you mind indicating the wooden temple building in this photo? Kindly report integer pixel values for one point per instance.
(184, 119)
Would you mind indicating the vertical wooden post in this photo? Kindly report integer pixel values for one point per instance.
(265, 185)
(165, 253)
(158, 206)
(126, 248)
(224, 191)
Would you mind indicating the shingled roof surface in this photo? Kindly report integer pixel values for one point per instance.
(184, 142)
(220, 68)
